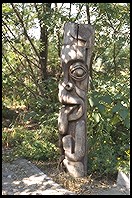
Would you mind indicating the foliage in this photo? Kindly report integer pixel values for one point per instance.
(108, 97)
(30, 144)
(108, 133)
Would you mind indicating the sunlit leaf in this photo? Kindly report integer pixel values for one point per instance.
(91, 102)
(96, 117)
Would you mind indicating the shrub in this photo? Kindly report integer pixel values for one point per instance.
(30, 144)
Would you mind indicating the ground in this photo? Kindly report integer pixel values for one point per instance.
(86, 185)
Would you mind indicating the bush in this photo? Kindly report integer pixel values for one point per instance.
(101, 154)
(30, 144)
(108, 132)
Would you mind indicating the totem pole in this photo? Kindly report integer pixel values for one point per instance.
(75, 57)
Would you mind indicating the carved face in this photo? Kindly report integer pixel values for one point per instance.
(75, 80)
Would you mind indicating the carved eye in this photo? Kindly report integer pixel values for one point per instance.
(78, 72)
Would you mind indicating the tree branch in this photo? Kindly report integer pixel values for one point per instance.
(70, 10)
(19, 79)
(78, 13)
(88, 13)
(25, 31)
(23, 55)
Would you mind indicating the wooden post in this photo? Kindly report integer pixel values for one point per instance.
(76, 54)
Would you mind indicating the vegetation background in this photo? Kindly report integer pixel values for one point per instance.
(31, 70)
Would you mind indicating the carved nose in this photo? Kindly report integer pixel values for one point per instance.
(69, 86)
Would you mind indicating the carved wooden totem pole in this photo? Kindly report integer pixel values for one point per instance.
(76, 55)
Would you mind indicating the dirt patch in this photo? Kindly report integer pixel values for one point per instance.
(82, 186)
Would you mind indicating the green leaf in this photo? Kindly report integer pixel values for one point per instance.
(101, 108)
(106, 99)
(29, 116)
(127, 122)
(123, 114)
(96, 101)
(117, 107)
(115, 120)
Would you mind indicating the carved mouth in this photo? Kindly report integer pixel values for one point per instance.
(71, 107)
(74, 111)
(74, 105)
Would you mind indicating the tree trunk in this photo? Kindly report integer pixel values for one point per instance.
(44, 42)
(43, 51)
(46, 7)
(58, 35)
(88, 13)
